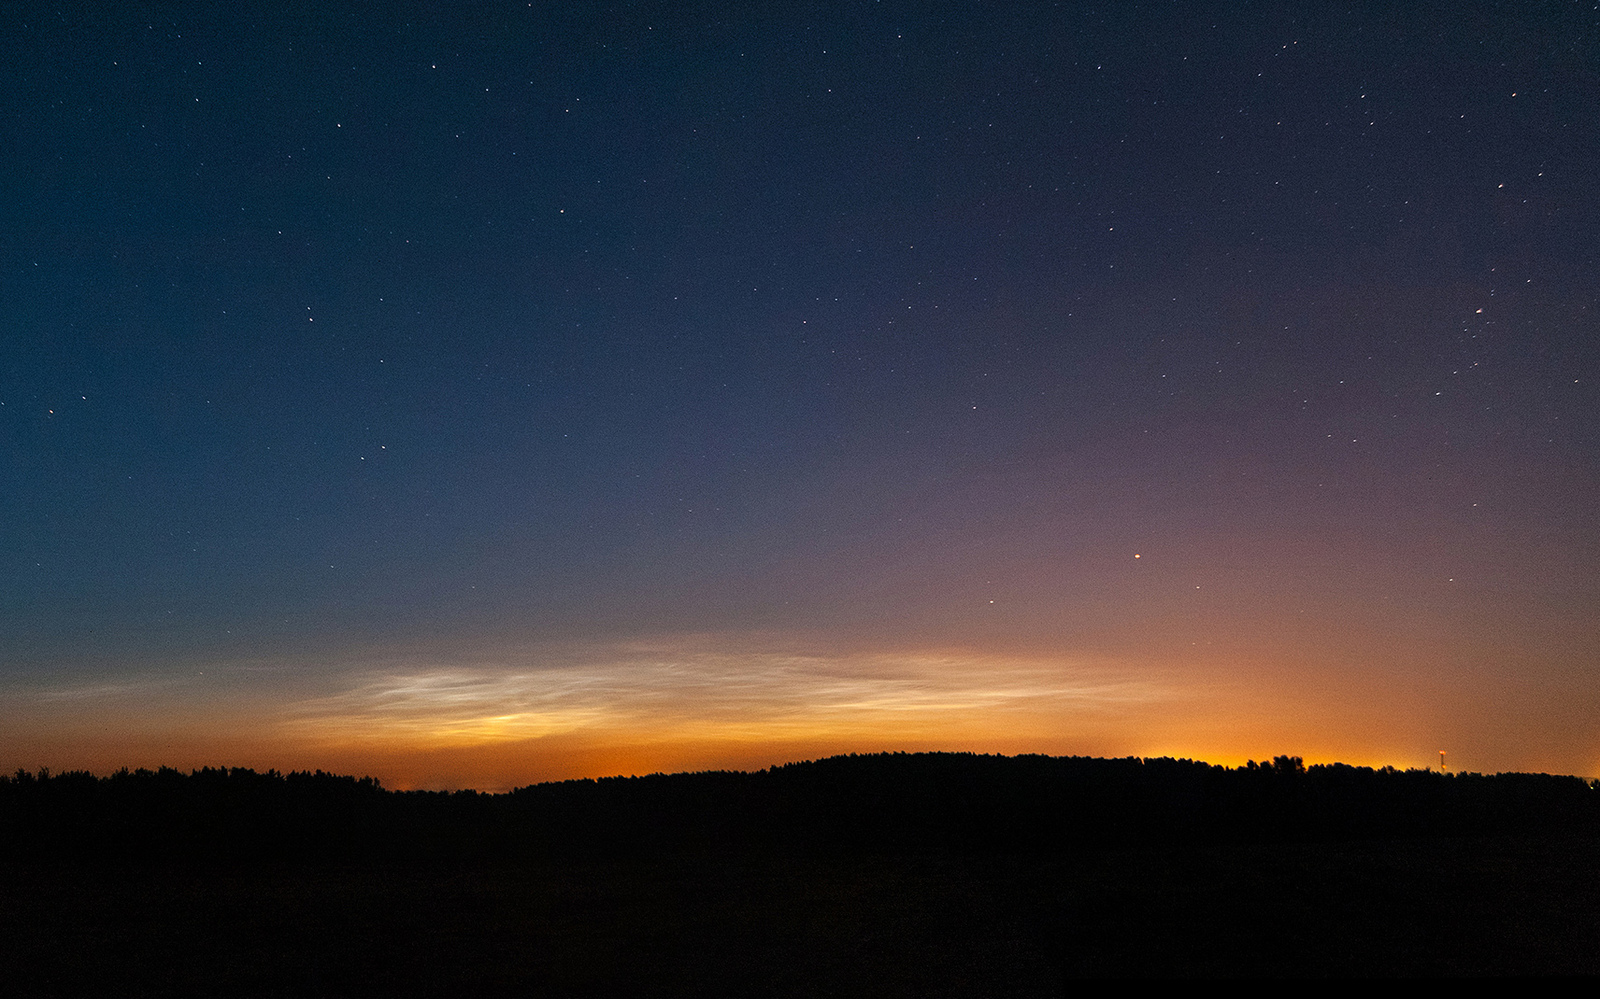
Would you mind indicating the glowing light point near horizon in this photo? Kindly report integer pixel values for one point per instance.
(1136, 555)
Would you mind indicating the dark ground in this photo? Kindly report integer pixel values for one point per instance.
(771, 923)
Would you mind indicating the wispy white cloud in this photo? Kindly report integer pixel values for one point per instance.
(672, 687)
(105, 690)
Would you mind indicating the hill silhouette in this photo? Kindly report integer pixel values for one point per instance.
(879, 803)
(896, 874)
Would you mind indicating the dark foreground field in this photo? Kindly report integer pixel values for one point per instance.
(735, 914)
(903, 926)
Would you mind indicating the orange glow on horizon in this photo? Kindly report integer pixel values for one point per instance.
(514, 715)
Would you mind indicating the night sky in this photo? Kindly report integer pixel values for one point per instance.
(475, 394)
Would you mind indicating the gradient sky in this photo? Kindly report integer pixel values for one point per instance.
(545, 390)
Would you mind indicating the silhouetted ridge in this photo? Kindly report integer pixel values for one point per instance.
(880, 803)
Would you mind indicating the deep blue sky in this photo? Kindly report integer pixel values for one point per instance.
(333, 327)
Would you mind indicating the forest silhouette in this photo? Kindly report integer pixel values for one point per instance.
(888, 802)
(891, 874)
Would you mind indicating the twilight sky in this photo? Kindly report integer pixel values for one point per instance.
(544, 390)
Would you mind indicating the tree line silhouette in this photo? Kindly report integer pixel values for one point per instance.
(957, 802)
